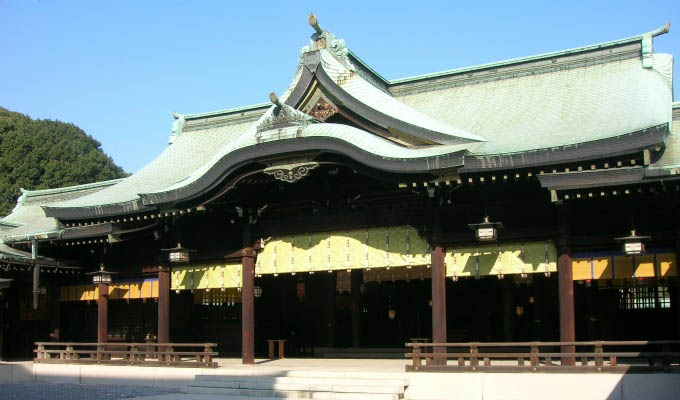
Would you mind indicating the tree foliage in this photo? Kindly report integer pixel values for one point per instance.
(42, 154)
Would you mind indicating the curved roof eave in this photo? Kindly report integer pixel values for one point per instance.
(347, 88)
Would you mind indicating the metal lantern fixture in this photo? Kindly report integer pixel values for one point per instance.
(102, 276)
(178, 254)
(257, 290)
(486, 231)
(633, 245)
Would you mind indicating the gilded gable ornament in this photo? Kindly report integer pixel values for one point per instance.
(323, 110)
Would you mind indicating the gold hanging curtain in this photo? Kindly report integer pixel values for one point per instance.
(206, 276)
(501, 259)
(396, 246)
(145, 289)
(622, 267)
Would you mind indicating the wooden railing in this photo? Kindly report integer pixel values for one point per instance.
(144, 354)
(595, 356)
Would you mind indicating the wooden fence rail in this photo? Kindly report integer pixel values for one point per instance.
(144, 354)
(593, 356)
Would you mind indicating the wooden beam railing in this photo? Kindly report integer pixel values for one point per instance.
(593, 356)
(143, 354)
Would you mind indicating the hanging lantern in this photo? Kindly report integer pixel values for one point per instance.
(101, 277)
(257, 290)
(178, 254)
(391, 313)
(486, 231)
(633, 245)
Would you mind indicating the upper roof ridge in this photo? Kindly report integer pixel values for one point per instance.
(642, 38)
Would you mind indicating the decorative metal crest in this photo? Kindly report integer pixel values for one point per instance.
(291, 173)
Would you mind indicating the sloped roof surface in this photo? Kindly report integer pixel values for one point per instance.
(28, 217)
(190, 152)
(558, 108)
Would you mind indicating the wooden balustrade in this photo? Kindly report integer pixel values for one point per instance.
(143, 354)
(594, 356)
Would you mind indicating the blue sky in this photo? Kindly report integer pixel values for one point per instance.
(119, 69)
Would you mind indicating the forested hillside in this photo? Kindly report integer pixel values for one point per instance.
(42, 154)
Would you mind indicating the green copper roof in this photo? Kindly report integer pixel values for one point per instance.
(586, 94)
(561, 107)
(28, 219)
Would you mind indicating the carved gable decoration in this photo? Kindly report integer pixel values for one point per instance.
(323, 110)
(291, 173)
(284, 116)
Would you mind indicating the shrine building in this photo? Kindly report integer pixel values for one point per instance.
(530, 199)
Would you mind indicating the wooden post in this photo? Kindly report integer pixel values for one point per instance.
(55, 312)
(163, 304)
(2, 323)
(248, 306)
(507, 309)
(331, 309)
(565, 288)
(438, 302)
(356, 278)
(103, 313)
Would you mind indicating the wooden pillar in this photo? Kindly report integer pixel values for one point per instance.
(507, 309)
(565, 278)
(163, 304)
(103, 313)
(438, 301)
(677, 287)
(2, 324)
(248, 306)
(331, 309)
(537, 309)
(55, 312)
(356, 278)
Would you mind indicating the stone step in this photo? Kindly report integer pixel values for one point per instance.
(349, 387)
(204, 380)
(291, 394)
(311, 373)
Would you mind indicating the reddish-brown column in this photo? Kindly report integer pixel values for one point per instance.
(508, 310)
(331, 309)
(356, 277)
(248, 306)
(103, 313)
(438, 301)
(163, 304)
(565, 279)
(55, 312)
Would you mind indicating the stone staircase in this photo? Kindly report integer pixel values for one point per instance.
(322, 385)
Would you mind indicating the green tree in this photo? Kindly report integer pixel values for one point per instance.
(43, 154)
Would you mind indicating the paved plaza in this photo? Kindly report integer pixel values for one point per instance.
(71, 391)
